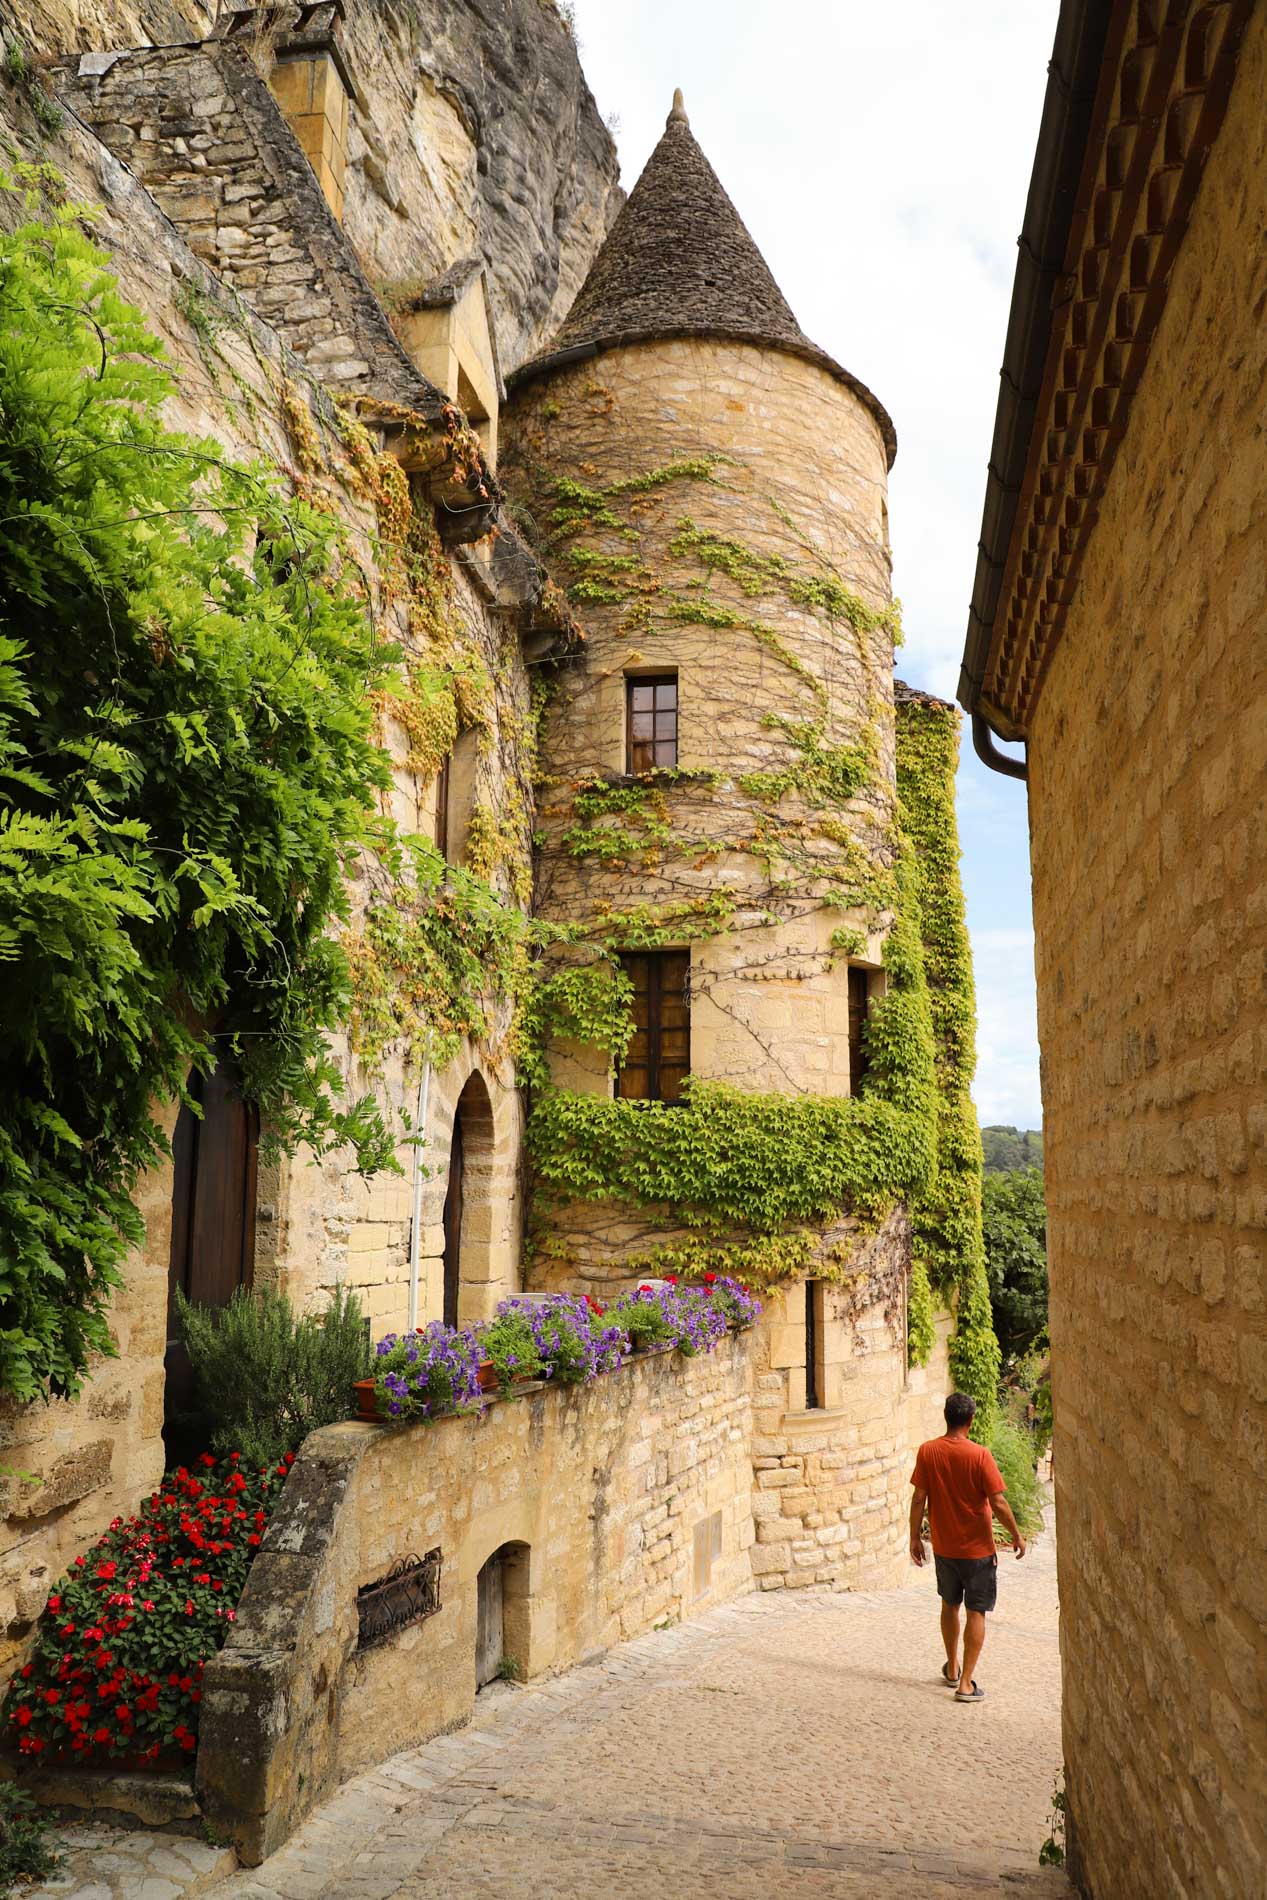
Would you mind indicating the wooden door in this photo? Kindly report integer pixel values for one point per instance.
(453, 1228)
(213, 1213)
(489, 1621)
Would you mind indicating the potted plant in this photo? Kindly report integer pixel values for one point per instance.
(670, 1315)
(508, 1348)
(738, 1307)
(426, 1373)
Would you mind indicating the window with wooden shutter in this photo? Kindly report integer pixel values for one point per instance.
(859, 1002)
(659, 1058)
(651, 723)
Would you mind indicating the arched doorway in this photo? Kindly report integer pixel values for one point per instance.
(468, 1196)
(501, 1624)
(213, 1218)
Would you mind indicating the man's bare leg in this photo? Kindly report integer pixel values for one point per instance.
(950, 1636)
(973, 1637)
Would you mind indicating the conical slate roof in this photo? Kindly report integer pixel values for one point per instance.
(679, 261)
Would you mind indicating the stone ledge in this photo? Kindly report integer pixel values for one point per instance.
(163, 1804)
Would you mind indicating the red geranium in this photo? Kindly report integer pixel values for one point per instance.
(182, 1558)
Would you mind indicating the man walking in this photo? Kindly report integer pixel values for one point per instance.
(960, 1484)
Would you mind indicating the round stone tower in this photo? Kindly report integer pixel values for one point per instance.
(718, 765)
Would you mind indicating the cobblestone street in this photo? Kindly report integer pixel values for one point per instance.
(785, 1746)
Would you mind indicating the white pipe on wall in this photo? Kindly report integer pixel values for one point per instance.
(415, 1225)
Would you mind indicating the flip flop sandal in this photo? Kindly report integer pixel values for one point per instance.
(949, 1680)
(978, 1695)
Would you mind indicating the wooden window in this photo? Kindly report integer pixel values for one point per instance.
(651, 722)
(659, 1058)
(442, 809)
(859, 999)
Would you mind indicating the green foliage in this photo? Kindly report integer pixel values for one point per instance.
(20, 72)
(509, 1343)
(1013, 1452)
(948, 1220)
(429, 958)
(921, 1331)
(1006, 1149)
(266, 1376)
(188, 768)
(587, 1003)
(26, 1855)
(725, 1158)
(1014, 1219)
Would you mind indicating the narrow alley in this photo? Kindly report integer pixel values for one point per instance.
(783, 1747)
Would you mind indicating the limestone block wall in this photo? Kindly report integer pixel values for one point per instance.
(1148, 776)
(710, 504)
(620, 1504)
(831, 1486)
(471, 130)
(199, 128)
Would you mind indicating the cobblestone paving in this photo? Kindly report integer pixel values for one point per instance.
(105, 1863)
(784, 1747)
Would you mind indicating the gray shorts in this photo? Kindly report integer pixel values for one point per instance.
(972, 1581)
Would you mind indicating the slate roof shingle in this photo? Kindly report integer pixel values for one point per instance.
(679, 262)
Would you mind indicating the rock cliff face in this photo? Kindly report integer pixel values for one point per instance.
(472, 132)
(482, 138)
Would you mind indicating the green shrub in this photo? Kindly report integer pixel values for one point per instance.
(266, 1377)
(25, 1854)
(1014, 1454)
(187, 690)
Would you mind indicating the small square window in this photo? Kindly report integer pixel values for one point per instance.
(651, 723)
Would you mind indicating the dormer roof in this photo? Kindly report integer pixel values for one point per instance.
(680, 262)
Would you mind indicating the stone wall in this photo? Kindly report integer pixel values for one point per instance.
(199, 128)
(623, 1504)
(1148, 780)
(72, 1467)
(471, 131)
(831, 1482)
(703, 445)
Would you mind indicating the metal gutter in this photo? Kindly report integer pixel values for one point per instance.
(1073, 76)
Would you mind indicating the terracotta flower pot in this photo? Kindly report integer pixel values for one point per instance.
(366, 1401)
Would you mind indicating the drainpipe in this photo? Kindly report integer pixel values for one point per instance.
(986, 750)
(415, 1225)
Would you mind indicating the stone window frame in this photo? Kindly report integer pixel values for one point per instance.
(654, 682)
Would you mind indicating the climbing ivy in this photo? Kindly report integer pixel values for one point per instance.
(948, 1220)
(188, 768)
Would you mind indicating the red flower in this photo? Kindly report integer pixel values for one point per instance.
(22, 1715)
(254, 1538)
(55, 1603)
(106, 1572)
(101, 1736)
(206, 1459)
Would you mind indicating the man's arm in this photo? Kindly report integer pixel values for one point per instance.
(1003, 1511)
(917, 1527)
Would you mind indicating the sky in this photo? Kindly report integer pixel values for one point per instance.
(880, 157)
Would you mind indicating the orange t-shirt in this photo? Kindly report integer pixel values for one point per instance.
(960, 1479)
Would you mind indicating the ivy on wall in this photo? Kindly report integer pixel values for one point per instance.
(187, 766)
(948, 1236)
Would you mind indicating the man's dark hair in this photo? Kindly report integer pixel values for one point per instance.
(960, 1410)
